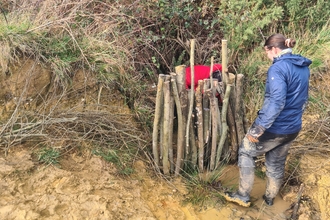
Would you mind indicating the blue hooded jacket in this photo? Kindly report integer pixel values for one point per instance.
(286, 94)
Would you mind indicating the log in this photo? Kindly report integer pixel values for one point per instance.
(157, 117)
(200, 133)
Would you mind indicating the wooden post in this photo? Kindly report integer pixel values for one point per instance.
(206, 111)
(170, 127)
(214, 129)
(183, 95)
(157, 117)
(231, 118)
(192, 72)
(224, 63)
(180, 72)
(224, 124)
(211, 71)
(200, 133)
(239, 112)
(206, 119)
(192, 152)
(180, 140)
(166, 129)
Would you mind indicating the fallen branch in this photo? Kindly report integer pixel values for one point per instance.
(297, 204)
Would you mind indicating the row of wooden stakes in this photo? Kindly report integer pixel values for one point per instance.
(208, 123)
(215, 128)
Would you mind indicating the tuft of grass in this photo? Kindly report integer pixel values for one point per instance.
(120, 159)
(49, 156)
(260, 173)
(203, 188)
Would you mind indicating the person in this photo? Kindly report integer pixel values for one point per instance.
(277, 123)
(202, 72)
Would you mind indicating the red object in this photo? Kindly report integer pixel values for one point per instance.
(200, 72)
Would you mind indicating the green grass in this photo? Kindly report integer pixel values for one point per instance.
(260, 173)
(49, 156)
(204, 189)
(121, 159)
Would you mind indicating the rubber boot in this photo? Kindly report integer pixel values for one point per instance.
(242, 196)
(272, 189)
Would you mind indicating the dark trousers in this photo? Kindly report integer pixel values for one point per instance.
(274, 146)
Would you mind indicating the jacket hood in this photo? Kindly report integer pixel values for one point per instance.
(296, 59)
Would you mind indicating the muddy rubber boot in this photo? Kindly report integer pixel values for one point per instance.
(272, 189)
(242, 196)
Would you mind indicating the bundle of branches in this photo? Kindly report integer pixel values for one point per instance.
(315, 137)
(99, 128)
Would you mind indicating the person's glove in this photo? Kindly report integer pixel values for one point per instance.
(254, 133)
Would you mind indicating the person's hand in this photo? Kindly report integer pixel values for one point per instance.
(254, 133)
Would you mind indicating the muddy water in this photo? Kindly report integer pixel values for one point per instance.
(165, 203)
(258, 209)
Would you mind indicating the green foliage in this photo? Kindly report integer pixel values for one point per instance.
(49, 156)
(243, 22)
(302, 15)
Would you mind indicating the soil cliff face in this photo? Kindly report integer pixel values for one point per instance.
(31, 86)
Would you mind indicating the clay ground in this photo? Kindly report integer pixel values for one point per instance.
(84, 186)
